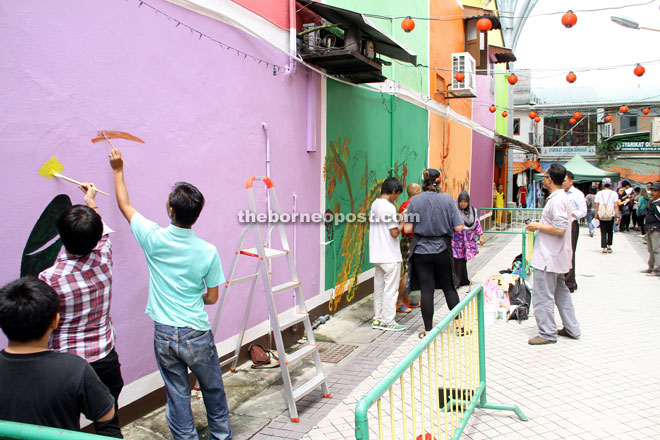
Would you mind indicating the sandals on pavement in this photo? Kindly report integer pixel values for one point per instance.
(414, 305)
(422, 335)
(402, 308)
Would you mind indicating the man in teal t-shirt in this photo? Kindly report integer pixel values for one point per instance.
(181, 268)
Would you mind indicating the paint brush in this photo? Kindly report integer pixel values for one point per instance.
(53, 168)
(112, 146)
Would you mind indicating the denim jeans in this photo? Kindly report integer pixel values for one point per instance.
(591, 213)
(180, 348)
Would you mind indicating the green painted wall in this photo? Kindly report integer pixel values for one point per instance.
(358, 159)
(415, 78)
(502, 99)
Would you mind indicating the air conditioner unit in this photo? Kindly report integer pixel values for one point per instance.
(464, 63)
(607, 130)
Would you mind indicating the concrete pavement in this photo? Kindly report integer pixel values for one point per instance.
(604, 385)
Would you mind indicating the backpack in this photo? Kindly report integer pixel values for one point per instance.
(605, 211)
(260, 357)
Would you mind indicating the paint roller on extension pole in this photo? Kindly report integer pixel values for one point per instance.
(53, 169)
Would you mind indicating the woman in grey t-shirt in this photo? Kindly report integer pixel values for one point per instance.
(433, 217)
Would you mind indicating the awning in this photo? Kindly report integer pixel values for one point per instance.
(585, 172)
(519, 167)
(345, 19)
(507, 142)
(475, 12)
(501, 54)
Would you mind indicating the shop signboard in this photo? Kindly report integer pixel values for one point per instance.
(636, 147)
(588, 150)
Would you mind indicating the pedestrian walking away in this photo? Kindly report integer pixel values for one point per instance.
(578, 211)
(551, 259)
(607, 208)
(591, 211)
(653, 231)
(385, 255)
(181, 267)
(433, 217)
(464, 243)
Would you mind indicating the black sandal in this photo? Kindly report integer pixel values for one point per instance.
(462, 331)
(423, 334)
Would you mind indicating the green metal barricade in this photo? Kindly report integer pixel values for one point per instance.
(507, 220)
(13, 430)
(433, 391)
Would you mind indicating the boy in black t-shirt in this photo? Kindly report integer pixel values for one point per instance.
(39, 386)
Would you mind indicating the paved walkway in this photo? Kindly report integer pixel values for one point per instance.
(605, 385)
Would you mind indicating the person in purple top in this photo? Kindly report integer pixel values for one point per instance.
(551, 260)
(464, 243)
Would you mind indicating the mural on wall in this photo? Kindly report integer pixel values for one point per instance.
(351, 243)
(43, 244)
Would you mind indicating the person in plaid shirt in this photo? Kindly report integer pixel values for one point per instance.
(82, 278)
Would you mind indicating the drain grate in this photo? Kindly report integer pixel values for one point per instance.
(333, 353)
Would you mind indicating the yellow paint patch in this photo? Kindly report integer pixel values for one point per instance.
(51, 167)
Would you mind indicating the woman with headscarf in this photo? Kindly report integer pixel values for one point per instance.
(464, 243)
(433, 217)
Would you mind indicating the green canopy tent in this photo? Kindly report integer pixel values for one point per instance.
(584, 171)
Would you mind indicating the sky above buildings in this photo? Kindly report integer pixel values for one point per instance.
(593, 46)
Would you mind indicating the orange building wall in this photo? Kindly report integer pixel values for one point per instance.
(450, 143)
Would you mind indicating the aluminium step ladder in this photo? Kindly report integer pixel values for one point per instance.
(262, 255)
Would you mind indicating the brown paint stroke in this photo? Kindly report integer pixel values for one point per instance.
(115, 135)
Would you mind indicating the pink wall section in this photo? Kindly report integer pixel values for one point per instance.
(483, 148)
(73, 67)
(275, 11)
(481, 184)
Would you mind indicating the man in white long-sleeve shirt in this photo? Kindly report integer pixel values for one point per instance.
(578, 211)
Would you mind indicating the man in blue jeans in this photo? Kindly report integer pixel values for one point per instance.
(181, 267)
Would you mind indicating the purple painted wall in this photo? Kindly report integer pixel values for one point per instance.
(481, 186)
(70, 68)
(483, 147)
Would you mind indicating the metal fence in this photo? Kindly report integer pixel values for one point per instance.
(433, 391)
(13, 430)
(507, 220)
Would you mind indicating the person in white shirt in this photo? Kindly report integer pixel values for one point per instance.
(385, 254)
(551, 260)
(607, 225)
(578, 211)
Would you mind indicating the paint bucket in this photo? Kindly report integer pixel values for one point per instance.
(502, 313)
(490, 313)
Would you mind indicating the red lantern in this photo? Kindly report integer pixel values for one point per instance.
(408, 24)
(577, 115)
(572, 121)
(537, 119)
(484, 24)
(624, 109)
(460, 76)
(646, 111)
(569, 19)
(513, 79)
(492, 109)
(639, 70)
(505, 114)
(532, 115)
(571, 77)
(608, 118)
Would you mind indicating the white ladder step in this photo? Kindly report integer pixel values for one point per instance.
(283, 287)
(300, 353)
(228, 361)
(307, 387)
(241, 280)
(290, 321)
(270, 253)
